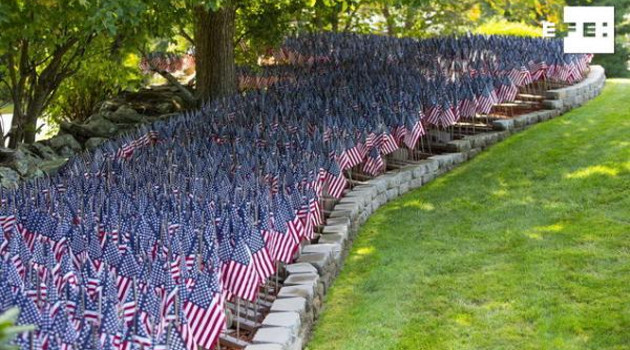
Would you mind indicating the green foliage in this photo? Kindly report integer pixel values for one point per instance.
(261, 25)
(8, 330)
(616, 65)
(504, 27)
(525, 247)
(98, 79)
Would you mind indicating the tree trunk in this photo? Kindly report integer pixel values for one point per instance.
(15, 134)
(214, 52)
(389, 21)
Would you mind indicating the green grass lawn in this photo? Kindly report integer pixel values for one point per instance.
(525, 247)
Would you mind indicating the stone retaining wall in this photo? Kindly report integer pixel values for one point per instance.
(289, 324)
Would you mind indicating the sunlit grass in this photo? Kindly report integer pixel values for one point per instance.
(525, 247)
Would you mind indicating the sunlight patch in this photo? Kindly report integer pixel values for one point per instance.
(365, 250)
(593, 170)
(421, 205)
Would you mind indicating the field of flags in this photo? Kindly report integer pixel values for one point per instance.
(140, 244)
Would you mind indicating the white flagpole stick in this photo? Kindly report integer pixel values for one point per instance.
(238, 314)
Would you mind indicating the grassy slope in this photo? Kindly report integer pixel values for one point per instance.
(525, 247)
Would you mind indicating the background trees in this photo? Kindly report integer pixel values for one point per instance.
(58, 58)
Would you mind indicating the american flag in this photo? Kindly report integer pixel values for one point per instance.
(204, 312)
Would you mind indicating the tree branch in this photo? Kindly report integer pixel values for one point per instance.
(188, 96)
(351, 17)
(186, 36)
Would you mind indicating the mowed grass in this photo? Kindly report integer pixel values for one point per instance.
(525, 247)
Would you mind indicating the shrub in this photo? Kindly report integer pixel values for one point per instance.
(504, 27)
(97, 80)
(616, 65)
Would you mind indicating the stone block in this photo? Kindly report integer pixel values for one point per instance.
(301, 291)
(333, 238)
(363, 217)
(284, 337)
(390, 179)
(419, 170)
(404, 187)
(503, 124)
(380, 200)
(458, 145)
(338, 212)
(332, 249)
(297, 305)
(404, 176)
(392, 193)
(415, 183)
(339, 221)
(300, 268)
(553, 104)
(428, 178)
(379, 183)
(265, 347)
(290, 320)
(339, 229)
(319, 260)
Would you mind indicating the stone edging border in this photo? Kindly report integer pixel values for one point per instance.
(289, 324)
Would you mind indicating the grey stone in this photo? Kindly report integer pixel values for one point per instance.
(403, 176)
(415, 183)
(428, 178)
(392, 193)
(353, 198)
(338, 229)
(299, 291)
(351, 207)
(343, 221)
(553, 104)
(100, 127)
(458, 145)
(379, 200)
(64, 141)
(319, 260)
(126, 115)
(21, 162)
(336, 238)
(51, 167)
(297, 304)
(290, 320)
(307, 279)
(364, 216)
(93, 143)
(300, 268)
(275, 335)
(8, 177)
(264, 347)
(404, 187)
(45, 152)
(391, 179)
(165, 107)
(379, 183)
(503, 124)
(109, 106)
(338, 213)
(432, 165)
(331, 249)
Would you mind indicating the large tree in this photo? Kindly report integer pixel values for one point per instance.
(44, 42)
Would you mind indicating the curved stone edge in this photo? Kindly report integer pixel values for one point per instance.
(289, 324)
